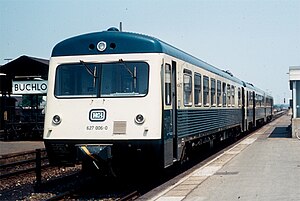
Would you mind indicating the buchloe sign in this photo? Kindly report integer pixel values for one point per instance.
(30, 87)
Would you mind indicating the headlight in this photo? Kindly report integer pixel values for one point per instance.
(56, 119)
(139, 119)
(101, 46)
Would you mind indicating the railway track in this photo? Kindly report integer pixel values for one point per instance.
(65, 185)
(71, 195)
(25, 174)
(24, 162)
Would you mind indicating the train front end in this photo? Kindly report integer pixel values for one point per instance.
(103, 100)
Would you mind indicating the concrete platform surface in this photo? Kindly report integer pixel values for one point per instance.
(258, 168)
(11, 147)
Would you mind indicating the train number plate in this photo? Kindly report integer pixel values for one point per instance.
(97, 115)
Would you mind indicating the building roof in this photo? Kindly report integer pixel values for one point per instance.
(26, 66)
(294, 73)
(22, 67)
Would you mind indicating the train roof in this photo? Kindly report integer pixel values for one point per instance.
(256, 89)
(125, 43)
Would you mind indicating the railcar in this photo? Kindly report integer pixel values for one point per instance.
(258, 106)
(116, 97)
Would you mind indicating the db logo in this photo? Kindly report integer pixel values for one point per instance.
(97, 115)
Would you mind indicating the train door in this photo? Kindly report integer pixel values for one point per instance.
(169, 132)
(174, 110)
(248, 120)
(254, 106)
(265, 107)
(243, 109)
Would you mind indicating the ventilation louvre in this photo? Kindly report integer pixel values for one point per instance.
(119, 127)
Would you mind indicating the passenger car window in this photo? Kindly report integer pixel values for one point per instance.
(219, 93)
(232, 95)
(168, 97)
(197, 90)
(228, 95)
(205, 91)
(213, 91)
(224, 95)
(187, 87)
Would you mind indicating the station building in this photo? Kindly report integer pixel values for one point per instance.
(294, 77)
(23, 87)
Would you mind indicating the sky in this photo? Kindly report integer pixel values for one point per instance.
(256, 40)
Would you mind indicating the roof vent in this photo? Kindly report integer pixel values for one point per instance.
(250, 84)
(113, 29)
(228, 72)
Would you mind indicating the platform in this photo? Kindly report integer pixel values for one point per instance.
(11, 147)
(264, 166)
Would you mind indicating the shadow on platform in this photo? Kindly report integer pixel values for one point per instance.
(281, 132)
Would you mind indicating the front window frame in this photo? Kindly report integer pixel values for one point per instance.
(97, 93)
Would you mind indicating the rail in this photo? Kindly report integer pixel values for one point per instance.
(26, 162)
(68, 194)
(131, 196)
(279, 114)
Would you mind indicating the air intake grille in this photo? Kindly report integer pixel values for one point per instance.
(119, 127)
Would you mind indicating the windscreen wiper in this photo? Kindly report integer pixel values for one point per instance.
(90, 71)
(133, 74)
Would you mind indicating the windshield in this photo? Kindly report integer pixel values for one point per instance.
(121, 79)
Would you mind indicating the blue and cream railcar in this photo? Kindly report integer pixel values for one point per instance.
(122, 96)
(269, 106)
(258, 106)
(250, 106)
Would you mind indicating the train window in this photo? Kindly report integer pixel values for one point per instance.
(239, 97)
(224, 94)
(247, 99)
(73, 80)
(250, 99)
(187, 87)
(259, 100)
(228, 95)
(197, 90)
(268, 102)
(205, 91)
(213, 91)
(232, 96)
(219, 93)
(168, 97)
(122, 79)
